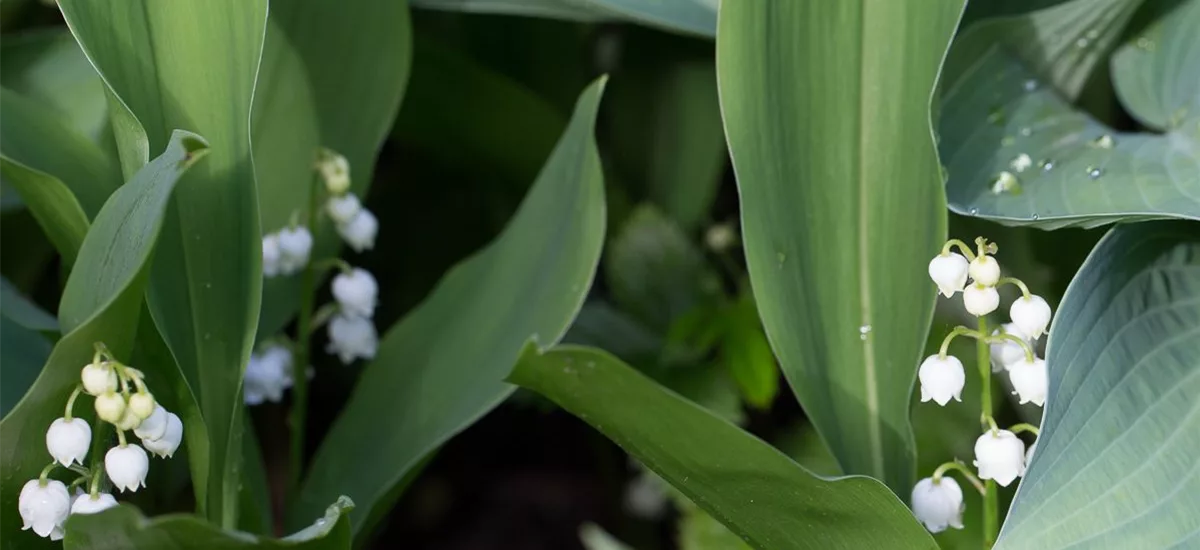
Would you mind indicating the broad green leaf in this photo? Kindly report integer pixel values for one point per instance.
(756, 491)
(51, 203)
(124, 527)
(23, 311)
(1116, 463)
(442, 366)
(686, 16)
(101, 303)
(1019, 153)
(747, 354)
(192, 64)
(46, 65)
(353, 57)
(22, 353)
(826, 108)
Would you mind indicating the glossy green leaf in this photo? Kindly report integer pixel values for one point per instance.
(1116, 463)
(747, 354)
(756, 491)
(686, 16)
(124, 527)
(826, 108)
(441, 367)
(22, 353)
(101, 303)
(192, 64)
(51, 203)
(352, 59)
(1019, 153)
(23, 311)
(46, 65)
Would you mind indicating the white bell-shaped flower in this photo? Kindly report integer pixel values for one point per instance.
(342, 209)
(272, 255)
(985, 270)
(1005, 352)
(351, 337)
(153, 426)
(44, 508)
(980, 300)
(360, 231)
(1000, 455)
(68, 440)
(88, 504)
(1030, 381)
(110, 407)
(941, 379)
(1031, 315)
(127, 466)
(268, 374)
(295, 245)
(99, 378)
(949, 272)
(356, 292)
(938, 504)
(335, 170)
(165, 446)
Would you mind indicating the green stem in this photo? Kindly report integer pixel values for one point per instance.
(1019, 284)
(121, 438)
(71, 403)
(1024, 427)
(46, 472)
(957, 331)
(962, 247)
(94, 488)
(1029, 356)
(299, 411)
(963, 469)
(991, 505)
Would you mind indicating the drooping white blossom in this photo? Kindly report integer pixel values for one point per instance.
(352, 337)
(1030, 381)
(153, 426)
(165, 446)
(127, 467)
(360, 231)
(356, 292)
(44, 508)
(949, 272)
(942, 379)
(87, 504)
(1005, 352)
(295, 245)
(343, 208)
(268, 374)
(985, 270)
(1000, 455)
(980, 300)
(68, 440)
(938, 504)
(1031, 315)
(272, 255)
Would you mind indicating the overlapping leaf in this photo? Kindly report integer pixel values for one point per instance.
(687, 16)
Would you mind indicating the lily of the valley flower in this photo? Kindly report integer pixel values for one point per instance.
(942, 379)
(127, 466)
(360, 231)
(985, 270)
(110, 407)
(99, 378)
(165, 446)
(980, 300)
(356, 292)
(268, 374)
(1006, 352)
(938, 504)
(1030, 381)
(335, 170)
(44, 507)
(343, 208)
(153, 426)
(1000, 455)
(272, 255)
(352, 337)
(949, 272)
(1031, 315)
(68, 440)
(88, 504)
(295, 245)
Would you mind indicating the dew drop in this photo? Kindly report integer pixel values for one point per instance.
(863, 331)
(974, 211)
(1093, 34)
(1021, 163)
(1145, 43)
(1005, 182)
(996, 116)
(1034, 216)
(320, 522)
(781, 257)
(1104, 142)
(1094, 172)
(1026, 131)
(1031, 85)
(1081, 43)
(1046, 165)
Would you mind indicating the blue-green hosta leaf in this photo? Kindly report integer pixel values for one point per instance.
(101, 303)
(687, 16)
(1018, 153)
(124, 527)
(826, 109)
(1118, 461)
(442, 366)
(192, 64)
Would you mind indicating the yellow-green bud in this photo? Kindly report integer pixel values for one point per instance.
(110, 407)
(142, 404)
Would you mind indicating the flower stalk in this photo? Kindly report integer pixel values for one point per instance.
(299, 412)
(991, 504)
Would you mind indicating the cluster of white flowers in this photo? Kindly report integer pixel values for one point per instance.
(44, 503)
(355, 224)
(286, 251)
(999, 454)
(268, 374)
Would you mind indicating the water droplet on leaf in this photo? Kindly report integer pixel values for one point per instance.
(1046, 165)
(974, 211)
(996, 116)
(1026, 131)
(863, 331)
(1094, 172)
(1005, 182)
(1081, 43)
(1031, 85)
(1104, 142)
